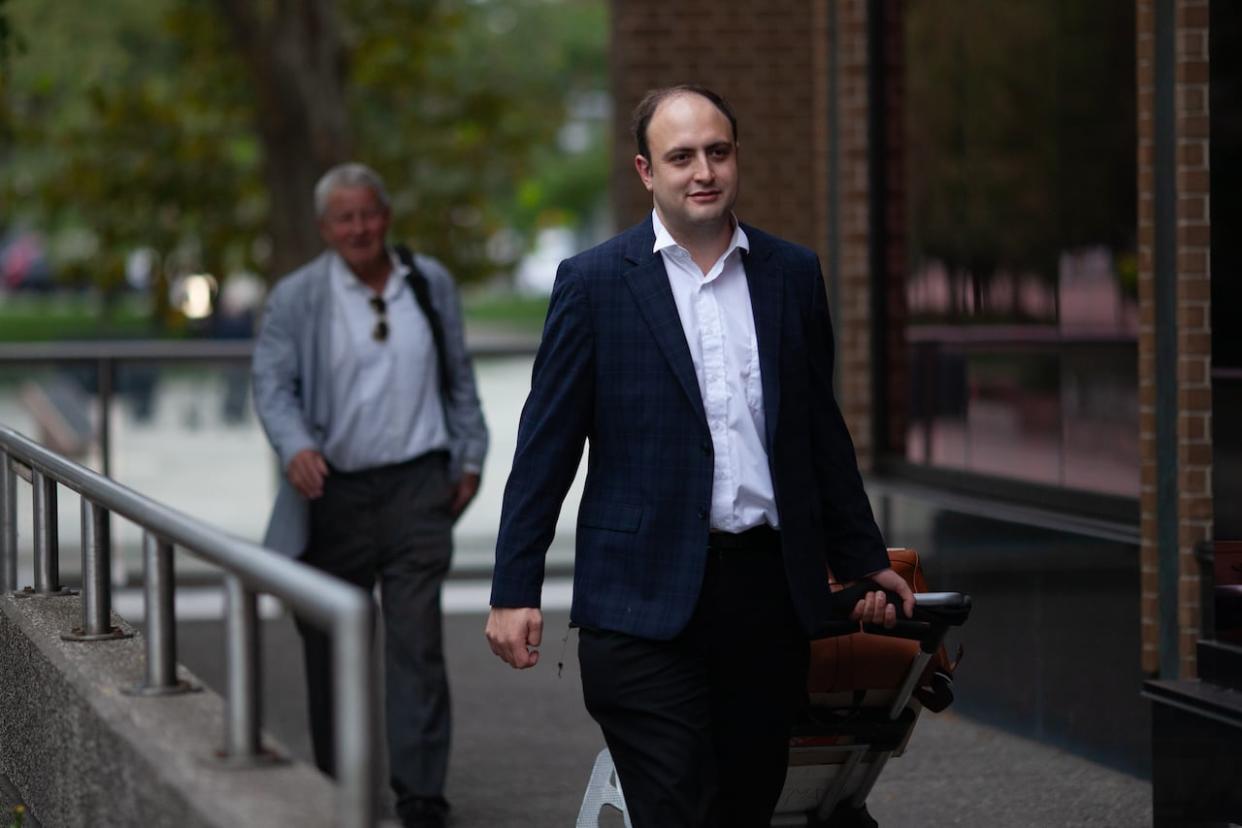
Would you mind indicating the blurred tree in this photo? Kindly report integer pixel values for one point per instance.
(10, 43)
(1021, 146)
(7, 40)
(295, 60)
(198, 130)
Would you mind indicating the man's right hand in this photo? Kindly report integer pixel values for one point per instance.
(306, 472)
(513, 633)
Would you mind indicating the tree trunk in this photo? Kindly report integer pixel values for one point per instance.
(297, 63)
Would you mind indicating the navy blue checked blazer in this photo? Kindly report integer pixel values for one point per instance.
(614, 369)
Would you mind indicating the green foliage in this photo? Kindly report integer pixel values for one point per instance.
(459, 106)
(125, 140)
(42, 318)
(133, 126)
(8, 41)
(45, 318)
(522, 313)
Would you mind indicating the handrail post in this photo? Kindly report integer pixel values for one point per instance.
(343, 610)
(96, 558)
(241, 738)
(158, 585)
(105, 370)
(46, 539)
(96, 587)
(8, 524)
(157, 568)
(352, 668)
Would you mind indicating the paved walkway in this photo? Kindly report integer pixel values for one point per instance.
(523, 745)
(959, 772)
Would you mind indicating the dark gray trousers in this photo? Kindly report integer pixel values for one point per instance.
(391, 525)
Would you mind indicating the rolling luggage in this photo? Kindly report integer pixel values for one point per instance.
(866, 689)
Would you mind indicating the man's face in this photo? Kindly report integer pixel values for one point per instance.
(355, 225)
(692, 174)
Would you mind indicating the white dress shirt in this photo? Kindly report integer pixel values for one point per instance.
(719, 324)
(385, 395)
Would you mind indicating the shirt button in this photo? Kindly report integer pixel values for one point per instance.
(702, 514)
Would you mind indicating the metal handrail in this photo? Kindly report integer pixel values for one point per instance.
(342, 610)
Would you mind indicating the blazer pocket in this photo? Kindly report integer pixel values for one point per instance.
(619, 517)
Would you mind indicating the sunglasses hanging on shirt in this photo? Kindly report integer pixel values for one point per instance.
(380, 332)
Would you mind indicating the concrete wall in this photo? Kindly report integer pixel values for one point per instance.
(81, 752)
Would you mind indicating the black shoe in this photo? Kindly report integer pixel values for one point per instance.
(424, 812)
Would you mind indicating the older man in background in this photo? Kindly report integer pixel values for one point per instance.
(367, 394)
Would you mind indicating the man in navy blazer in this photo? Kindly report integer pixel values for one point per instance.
(694, 353)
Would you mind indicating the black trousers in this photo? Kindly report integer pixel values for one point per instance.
(392, 525)
(698, 726)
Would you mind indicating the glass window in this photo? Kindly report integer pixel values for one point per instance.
(1018, 184)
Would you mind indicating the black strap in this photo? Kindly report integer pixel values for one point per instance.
(422, 292)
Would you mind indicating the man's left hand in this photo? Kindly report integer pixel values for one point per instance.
(875, 609)
(467, 487)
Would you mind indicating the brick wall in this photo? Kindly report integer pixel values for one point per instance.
(760, 60)
(853, 189)
(1194, 336)
(1149, 582)
(1193, 318)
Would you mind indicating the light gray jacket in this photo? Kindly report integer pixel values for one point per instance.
(294, 400)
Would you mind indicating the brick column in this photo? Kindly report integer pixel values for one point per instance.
(821, 136)
(761, 61)
(1192, 316)
(1148, 569)
(853, 190)
(1194, 335)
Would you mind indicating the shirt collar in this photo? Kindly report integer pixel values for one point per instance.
(345, 279)
(664, 239)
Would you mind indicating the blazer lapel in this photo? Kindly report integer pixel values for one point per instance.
(766, 282)
(648, 281)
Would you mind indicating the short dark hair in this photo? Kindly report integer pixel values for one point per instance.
(651, 102)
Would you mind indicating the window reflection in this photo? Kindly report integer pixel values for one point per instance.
(1013, 416)
(1099, 399)
(1019, 190)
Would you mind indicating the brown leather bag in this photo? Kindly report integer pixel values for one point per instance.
(861, 661)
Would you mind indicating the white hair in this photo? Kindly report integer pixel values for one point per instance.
(351, 174)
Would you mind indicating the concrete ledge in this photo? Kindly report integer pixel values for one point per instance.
(80, 752)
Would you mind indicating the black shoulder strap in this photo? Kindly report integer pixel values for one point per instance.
(422, 292)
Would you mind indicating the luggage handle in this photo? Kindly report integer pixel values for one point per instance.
(934, 613)
(951, 608)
